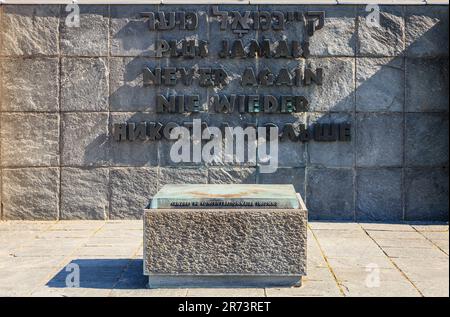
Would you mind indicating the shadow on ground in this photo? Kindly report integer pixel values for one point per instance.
(101, 274)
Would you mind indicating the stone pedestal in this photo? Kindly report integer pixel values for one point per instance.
(228, 246)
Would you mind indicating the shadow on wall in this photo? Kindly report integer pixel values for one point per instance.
(376, 176)
(101, 274)
(395, 167)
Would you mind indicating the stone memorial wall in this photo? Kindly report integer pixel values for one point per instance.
(362, 105)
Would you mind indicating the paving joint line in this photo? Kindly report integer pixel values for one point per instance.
(338, 283)
(33, 237)
(126, 267)
(393, 262)
(431, 241)
(54, 272)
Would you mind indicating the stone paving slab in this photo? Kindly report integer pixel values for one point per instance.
(344, 259)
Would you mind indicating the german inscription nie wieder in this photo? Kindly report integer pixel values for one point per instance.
(225, 235)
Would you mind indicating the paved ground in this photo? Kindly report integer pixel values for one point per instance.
(344, 259)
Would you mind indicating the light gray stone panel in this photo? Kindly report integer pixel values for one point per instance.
(225, 242)
(131, 191)
(216, 36)
(85, 139)
(380, 84)
(290, 153)
(379, 139)
(427, 194)
(133, 153)
(379, 194)
(218, 120)
(84, 193)
(338, 88)
(426, 139)
(338, 36)
(30, 194)
(91, 37)
(426, 31)
(130, 35)
(331, 154)
(231, 175)
(29, 139)
(202, 31)
(127, 89)
(293, 176)
(30, 30)
(29, 84)
(234, 69)
(180, 88)
(173, 175)
(385, 39)
(427, 85)
(84, 84)
(329, 193)
(274, 65)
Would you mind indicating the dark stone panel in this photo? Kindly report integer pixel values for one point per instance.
(426, 194)
(329, 193)
(379, 195)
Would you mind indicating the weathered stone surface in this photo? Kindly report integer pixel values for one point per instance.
(30, 30)
(202, 31)
(292, 30)
(329, 193)
(338, 88)
(85, 139)
(431, 75)
(234, 68)
(331, 154)
(130, 35)
(131, 191)
(294, 176)
(30, 193)
(84, 84)
(133, 153)
(231, 175)
(91, 37)
(214, 28)
(169, 175)
(379, 194)
(84, 193)
(380, 84)
(384, 39)
(426, 194)
(426, 142)
(165, 145)
(29, 139)
(290, 153)
(181, 88)
(219, 120)
(127, 90)
(338, 36)
(29, 84)
(225, 242)
(426, 31)
(379, 139)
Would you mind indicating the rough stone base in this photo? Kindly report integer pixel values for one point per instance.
(216, 247)
(222, 281)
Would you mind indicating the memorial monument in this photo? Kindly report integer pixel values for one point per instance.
(225, 235)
